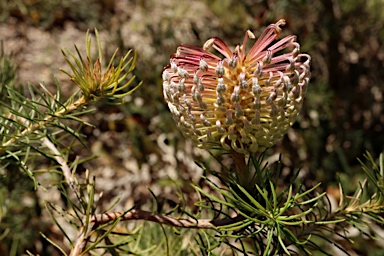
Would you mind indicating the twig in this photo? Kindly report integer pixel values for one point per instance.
(136, 214)
(63, 164)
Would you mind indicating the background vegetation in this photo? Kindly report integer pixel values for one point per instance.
(137, 144)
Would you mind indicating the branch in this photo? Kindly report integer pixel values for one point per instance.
(135, 214)
(63, 164)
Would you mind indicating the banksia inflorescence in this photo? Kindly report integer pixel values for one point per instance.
(244, 101)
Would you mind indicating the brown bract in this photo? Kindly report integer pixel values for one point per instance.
(237, 101)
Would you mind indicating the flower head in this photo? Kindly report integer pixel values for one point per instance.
(239, 101)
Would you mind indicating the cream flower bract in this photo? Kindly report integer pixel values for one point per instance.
(239, 101)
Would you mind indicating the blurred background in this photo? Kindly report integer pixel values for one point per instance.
(138, 144)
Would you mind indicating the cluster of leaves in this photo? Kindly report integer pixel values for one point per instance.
(267, 220)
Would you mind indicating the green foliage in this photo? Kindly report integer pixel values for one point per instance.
(37, 125)
(268, 220)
